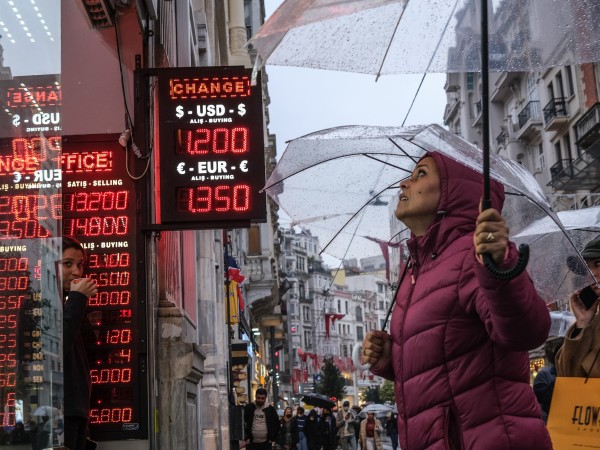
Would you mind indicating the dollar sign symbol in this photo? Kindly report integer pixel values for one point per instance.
(241, 109)
(179, 112)
(16, 120)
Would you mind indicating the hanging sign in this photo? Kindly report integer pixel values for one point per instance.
(211, 164)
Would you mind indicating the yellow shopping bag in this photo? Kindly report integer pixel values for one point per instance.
(574, 420)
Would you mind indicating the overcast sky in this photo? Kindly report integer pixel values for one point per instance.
(308, 100)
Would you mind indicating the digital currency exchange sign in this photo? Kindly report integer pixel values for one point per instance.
(30, 210)
(99, 209)
(80, 185)
(211, 148)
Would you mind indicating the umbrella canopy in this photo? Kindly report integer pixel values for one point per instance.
(341, 184)
(45, 410)
(376, 408)
(418, 36)
(322, 401)
(403, 36)
(558, 258)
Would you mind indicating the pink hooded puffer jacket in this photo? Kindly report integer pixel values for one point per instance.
(460, 337)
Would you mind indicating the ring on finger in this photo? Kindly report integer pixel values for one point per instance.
(490, 237)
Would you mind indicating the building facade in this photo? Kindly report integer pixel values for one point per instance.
(187, 343)
(329, 310)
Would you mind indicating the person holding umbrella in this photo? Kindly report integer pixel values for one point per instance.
(578, 357)
(458, 342)
(328, 429)
(312, 430)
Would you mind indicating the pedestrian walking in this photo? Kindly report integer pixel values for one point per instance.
(286, 440)
(312, 431)
(329, 435)
(346, 420)
(300, 420)
(262, 422)
(370, 433)
(391, 428)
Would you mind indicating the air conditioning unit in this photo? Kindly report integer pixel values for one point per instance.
(100, 12)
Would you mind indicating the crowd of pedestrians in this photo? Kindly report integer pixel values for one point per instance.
(347, 428)
(320, 429)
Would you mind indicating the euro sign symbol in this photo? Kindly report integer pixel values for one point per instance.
(179, 112)
(242, 109)
(244, 166)
(16, 120)
(180, 168)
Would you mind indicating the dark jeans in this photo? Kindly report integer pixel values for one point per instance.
(394, 438)
(260, 446)
(75, 432)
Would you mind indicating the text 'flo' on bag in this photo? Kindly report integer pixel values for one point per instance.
(574, 420)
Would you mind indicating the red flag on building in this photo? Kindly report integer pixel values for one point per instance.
(330, 320)
(385, 251)
(302, 355)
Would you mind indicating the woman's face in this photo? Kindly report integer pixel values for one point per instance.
(71, 267)
(420, 196)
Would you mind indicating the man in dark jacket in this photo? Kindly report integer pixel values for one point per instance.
(543, 384)
(261, 421)
(329, 435)
(76, 291)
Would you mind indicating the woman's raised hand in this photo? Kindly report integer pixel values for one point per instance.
(377, 349)
(491, 235)
(86, 286)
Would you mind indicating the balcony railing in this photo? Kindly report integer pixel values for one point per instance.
(588, 126)
(578, 174)
(562, 168)
(557, 107)
(531, 111)
(502, 138)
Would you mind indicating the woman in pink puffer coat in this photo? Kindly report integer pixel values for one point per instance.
(459, 337)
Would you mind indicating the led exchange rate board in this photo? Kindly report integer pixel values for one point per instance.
(99, 209)
(211, 161)
(94, 200)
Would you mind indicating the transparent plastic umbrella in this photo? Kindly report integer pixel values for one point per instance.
(46, 410)
(403, 36)
(376, 408)
(342, 185)
(417, 36)
(558, 262)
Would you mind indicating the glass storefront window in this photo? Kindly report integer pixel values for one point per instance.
(31, 368)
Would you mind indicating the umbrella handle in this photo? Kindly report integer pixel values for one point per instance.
(356, 352)
(514, 271)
